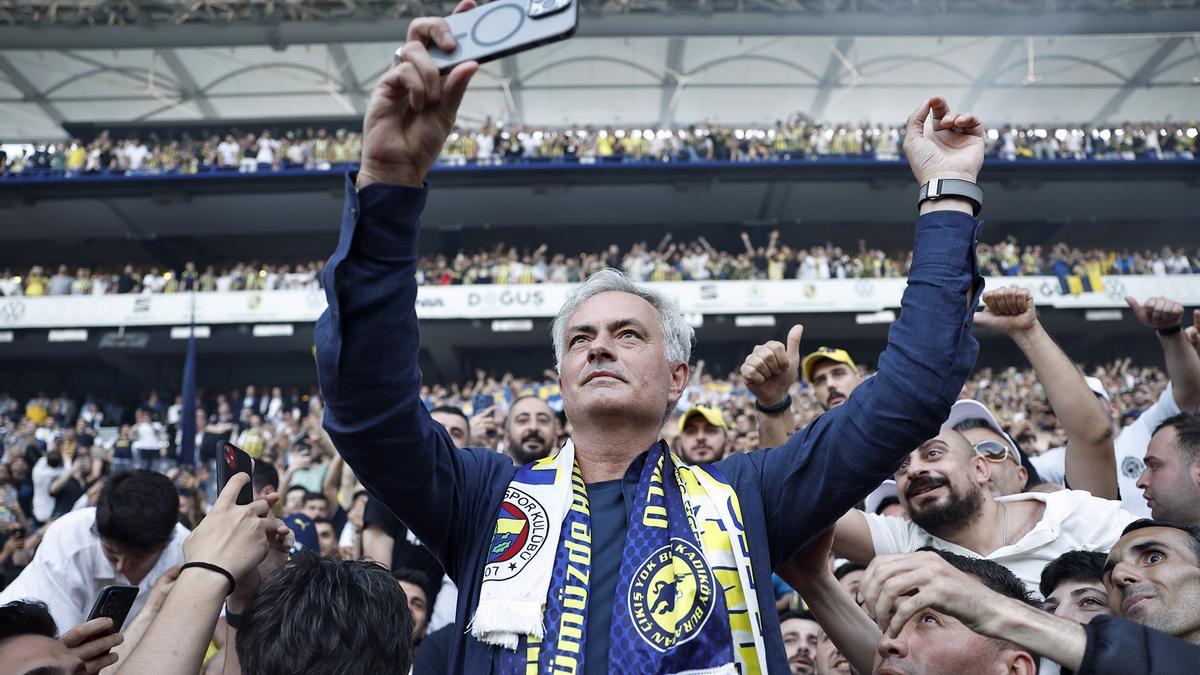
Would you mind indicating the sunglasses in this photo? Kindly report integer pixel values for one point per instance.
(995, 451)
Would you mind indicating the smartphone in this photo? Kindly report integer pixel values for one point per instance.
(480, 403)
(235, 460)
(114, 602)
(505, 27)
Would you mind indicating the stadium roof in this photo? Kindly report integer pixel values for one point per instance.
(745, 63)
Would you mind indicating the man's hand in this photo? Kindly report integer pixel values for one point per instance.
(953, 148)
(1010, 310)
(93, 643)
(413, 108)
(896, 587)
(1157, 313)
(771, 368)
(483, 427)
(235, 538)
(1193, 331)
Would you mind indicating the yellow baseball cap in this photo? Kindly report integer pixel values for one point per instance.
(713, 416)
(827, 354)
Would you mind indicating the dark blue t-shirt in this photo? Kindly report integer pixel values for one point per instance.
(609, 522)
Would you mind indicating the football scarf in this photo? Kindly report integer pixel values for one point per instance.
(685, 598)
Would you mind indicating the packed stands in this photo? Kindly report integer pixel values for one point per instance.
(496, 143)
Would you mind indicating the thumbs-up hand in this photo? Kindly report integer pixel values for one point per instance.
(772, 368)
(1157, 313)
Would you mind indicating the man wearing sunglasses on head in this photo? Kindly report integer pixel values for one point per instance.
(1011, 471)
(944, 486)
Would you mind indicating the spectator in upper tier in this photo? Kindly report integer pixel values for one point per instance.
(131, 537)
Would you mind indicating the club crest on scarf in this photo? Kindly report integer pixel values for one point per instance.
(521, 530)
(671, 595)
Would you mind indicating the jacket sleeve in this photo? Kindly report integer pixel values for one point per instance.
(1119, 647)
(825, 469)
(367, 348)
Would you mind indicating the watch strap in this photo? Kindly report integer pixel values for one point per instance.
(952, 187)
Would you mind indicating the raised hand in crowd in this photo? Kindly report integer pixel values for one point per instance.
(808, 572)
(233, 538)
(1009, 310)
(93, 642)
(769, 371)
(1192, 332)
(485, 427)
(1090, 461)
(953, 148)
(1165, 316)
(413, 108)
(1157, 313)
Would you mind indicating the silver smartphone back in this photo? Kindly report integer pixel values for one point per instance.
(505, 27)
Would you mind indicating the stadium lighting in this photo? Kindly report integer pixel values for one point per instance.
(754, 321)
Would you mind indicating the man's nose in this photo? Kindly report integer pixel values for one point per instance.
(896, 646)
(599, 349)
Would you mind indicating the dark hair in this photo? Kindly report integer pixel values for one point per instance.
(1192, 531)
(138, 509)
(264, 475)
(452, 410)
(884, 503)
(324, 616)
(789, 614)
(991, 574)
(1072, 566)
(846, 568)
(973, 423)
(416, 578)
(1187, 427)
(295, 487)
(26, 617)
(311, 496)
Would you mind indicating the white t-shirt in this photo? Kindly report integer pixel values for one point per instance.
(147, 436)
(43, 476)
(228, 152)
(69, 570)
(1130, 449)
(135, 156)
(1074, 520)
(267, 150)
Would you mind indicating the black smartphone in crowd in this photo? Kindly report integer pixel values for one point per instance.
(234, 460)
(114, 602)
(504, 27)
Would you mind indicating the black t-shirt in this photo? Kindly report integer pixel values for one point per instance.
(67, 496)
(122, 449)
(405, 554)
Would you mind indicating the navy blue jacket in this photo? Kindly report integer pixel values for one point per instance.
(367, 350)
(1116, 646)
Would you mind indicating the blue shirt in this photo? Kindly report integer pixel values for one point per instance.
(367, 353)
(606, 506)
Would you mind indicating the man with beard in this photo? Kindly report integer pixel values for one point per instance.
(800, 637)
(943, 486)
(1171, 481)
(530, 431)
(1152, 576)
(771, 370)
(703, 435)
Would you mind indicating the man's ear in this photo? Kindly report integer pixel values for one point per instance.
(679, 379)
(1023, 476)
(982, 468)
(1019, 662)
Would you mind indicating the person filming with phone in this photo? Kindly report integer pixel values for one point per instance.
(610, 555)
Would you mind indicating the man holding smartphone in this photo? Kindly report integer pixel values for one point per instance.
(658, 560)
(131, 537)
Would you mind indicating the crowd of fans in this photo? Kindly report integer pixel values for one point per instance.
(798, 138)
(697, 260)
(66, 458)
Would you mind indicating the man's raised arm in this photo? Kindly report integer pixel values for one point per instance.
(826, 468)
(1090, 462)
(368, 339)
